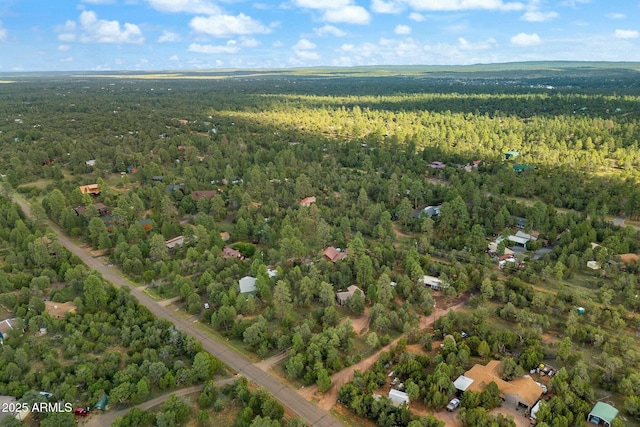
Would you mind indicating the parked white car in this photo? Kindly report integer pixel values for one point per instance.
(453, 405)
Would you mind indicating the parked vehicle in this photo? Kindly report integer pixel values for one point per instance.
(453, 405)
(81, 412)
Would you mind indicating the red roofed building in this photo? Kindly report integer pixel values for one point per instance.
(307, 201)
(333, 254)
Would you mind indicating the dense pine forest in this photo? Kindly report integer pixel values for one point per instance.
(333, 216)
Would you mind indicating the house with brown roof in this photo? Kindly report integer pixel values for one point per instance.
(307, 201)
(629, 258)
(344, 297)
(58, 310)
(90, 189)
(520, 392)
(207, 194)
(334, 254)
(229, 252)
(103, 209)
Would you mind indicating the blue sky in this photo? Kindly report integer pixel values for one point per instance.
(63, 35)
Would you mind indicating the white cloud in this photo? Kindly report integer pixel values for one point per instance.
(304, 49)
(64, 48)
(67, 59)
(304, 44)
(381, 6)
(174, 58)
(452, 5)
(230, 47)
(415, 16)
(98, 1)
(574, 3)
(188, 6)
(168, 36)
(67, 32)
(249, 42)
(538, 16)
(481, 45)
(227, 25)
(337, 10)
(402, 29)
(306, 54)
(616, 16)
(349, 15)
(3, 33)
(329, 30)
(322, 4)
(523, 39)
(627, 34)
(96, 30)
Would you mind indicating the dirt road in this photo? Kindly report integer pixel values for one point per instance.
(327, 400)
(287, 396)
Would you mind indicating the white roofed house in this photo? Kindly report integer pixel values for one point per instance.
(521, 238)
(433, 282)
(247, 284)
(398, 397)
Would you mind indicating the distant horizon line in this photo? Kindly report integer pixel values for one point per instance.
(331, 67)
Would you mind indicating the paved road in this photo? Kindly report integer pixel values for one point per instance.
(236, 361)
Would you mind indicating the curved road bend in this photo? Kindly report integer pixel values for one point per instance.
(287, 396)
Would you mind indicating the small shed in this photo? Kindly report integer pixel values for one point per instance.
(602, 414)
(102, 403)
(593, 265)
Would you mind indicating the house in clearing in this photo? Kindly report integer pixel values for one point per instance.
(521, 238)
(334, 254)
(437, 165)
(307, 201)
(229, 252)
(58, 310)
(521, 392)
(344, 297)
(602, 414)
(398, 398)
(90, 189)
(433, 282)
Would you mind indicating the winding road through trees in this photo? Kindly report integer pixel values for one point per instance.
(287, 396)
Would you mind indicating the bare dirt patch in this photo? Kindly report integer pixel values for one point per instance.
(361, 324)
(399, 233)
